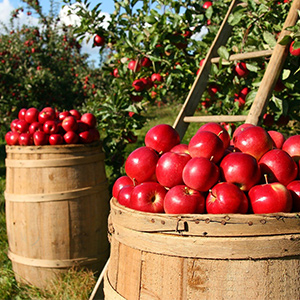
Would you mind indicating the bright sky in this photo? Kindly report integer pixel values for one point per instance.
(6, 6)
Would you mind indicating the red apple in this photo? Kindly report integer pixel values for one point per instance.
(279, 166)
(75, 113)
(82, 126)
(21, 114)
(162, 138)
(148, 197)
(94, 132)
(139, 85)
(294, 188)
(254, 140)
(56, 139)
(69, 123)
(146, 62)
(219, 130)
(119, 184)
(89, 119)
(293, 51)
(226, 198)
(241, 128)
(40, 138)
(50, 127)
(62, 115)
(270, 198)
(213, 89)
(181, 199)
(99, 40)
(140, 164)
(283, 120)
(31, 115)
(134, 66)
(71, 137)
(207, 4)
(124, 196)
(268, 120)
(292, 147)
(206, 144)
(181, 149)
(241, 69)
(241, 169)
(156, 77)
(169, 168)
(13, 125)
(35, 126)
(22, 126)
(12, 138)
(86, 137)
(200, 174)
(25, 139)
(277, 138)
(47, 113)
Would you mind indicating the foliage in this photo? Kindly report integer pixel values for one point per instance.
(175, 37)
(42, 66)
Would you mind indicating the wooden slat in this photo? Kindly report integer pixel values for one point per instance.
(199, 84)
(214, 118)
(273, 70)
(243, 56)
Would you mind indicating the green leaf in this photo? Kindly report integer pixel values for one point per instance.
(285, 40)
(252, 67)
(150, 19)
(236, 16)
(154, 41)
(269, 39)
(285, 74)
(222, 51)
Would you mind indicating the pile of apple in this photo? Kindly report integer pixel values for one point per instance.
(51, 127)
(257, 171)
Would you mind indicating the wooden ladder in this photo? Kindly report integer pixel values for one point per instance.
(273, 70)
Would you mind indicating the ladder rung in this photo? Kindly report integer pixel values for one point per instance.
(215, 118)
(246, 55)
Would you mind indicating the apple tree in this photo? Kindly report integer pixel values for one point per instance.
(154, 49)
(42, 65)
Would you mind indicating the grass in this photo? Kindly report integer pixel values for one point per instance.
(76, 284)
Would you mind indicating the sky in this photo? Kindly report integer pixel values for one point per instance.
(6, 6)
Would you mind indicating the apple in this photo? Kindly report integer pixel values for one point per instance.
(279, 166)
(82, 126)
(219, 130)
(200, 174)
(47, 113)
(148, 197)
(207, 4)
(140, 164)
(22, 126)
(162, 138)
(146, 62)
(181, 199)
(94, 132)
(50, 127)
(254, 140)
(25, 139)
(156, 77)
(71, 137)
(12, 138)
(136, 98)
(283, 120)
(213, 89)
(294, 188)
(292, 147)
(75, 113)
(206, 144)
(139, 85)
(226, 198)
(119, 184)
(134, 66)
(13, 124)
(270, 198)
(31, 115)
(169, 168)
(40, 138)
(56, 139)
(241, 169)
(181, 149)
(124, 196)
(277, 138)
(89, 119)
(279, 86)
(268, 120)
(241, 69)
(69, 123)
(86, 137)
(99, 40)
(62, 115)
(21, 114)
(241, 128)
(293, 51)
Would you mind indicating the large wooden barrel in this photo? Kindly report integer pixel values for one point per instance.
(160, 256)
(57, 203)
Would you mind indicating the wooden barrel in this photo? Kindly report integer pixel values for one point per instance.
(160, 256)
(57, 203)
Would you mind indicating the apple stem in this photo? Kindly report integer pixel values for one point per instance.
(220, 133)
(211, 158)
(134, 182)
(210, 191)
(266, 178)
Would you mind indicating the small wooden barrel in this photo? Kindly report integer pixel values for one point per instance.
(160, 256)
(57, 203)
